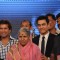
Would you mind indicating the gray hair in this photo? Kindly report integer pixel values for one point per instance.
(24, 29)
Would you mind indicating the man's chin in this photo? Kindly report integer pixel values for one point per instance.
(43, 33)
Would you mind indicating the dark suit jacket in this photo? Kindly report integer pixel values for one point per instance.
(57, 46)
(49, 46)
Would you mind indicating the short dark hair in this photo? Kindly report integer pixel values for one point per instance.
(41, 18)
(26, 21)
(58, 15)
(6, 22)
(52, 15)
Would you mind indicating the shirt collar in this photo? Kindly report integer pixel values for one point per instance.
(46, 35)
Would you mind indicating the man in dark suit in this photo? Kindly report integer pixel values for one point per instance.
(57, 47)
(42, 23)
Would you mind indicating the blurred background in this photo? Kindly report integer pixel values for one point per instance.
(17, 10)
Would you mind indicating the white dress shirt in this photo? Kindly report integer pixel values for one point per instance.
(40, 40)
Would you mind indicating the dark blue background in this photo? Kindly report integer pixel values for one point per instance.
(17, 10)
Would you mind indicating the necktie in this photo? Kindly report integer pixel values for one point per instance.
(42, 45)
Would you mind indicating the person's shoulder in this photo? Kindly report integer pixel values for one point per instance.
(36, 37)
(35, 46)
(58, 31)
(12, 38)
(13, 47)
(58, 35)
(52, 35)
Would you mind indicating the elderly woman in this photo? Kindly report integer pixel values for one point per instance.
(24, 49)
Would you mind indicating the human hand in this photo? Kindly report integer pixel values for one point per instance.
(43, 57)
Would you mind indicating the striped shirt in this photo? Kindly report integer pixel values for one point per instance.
(5, 49)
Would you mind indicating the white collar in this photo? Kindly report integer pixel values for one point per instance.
(46, 35)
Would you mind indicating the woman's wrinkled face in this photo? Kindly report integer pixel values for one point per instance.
(23, 38)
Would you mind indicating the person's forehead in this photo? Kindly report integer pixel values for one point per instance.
(22, 33)
(25, 22)
(2, 25)
(50, 18)
(42, 21)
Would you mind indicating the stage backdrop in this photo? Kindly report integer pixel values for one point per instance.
(17, 10)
